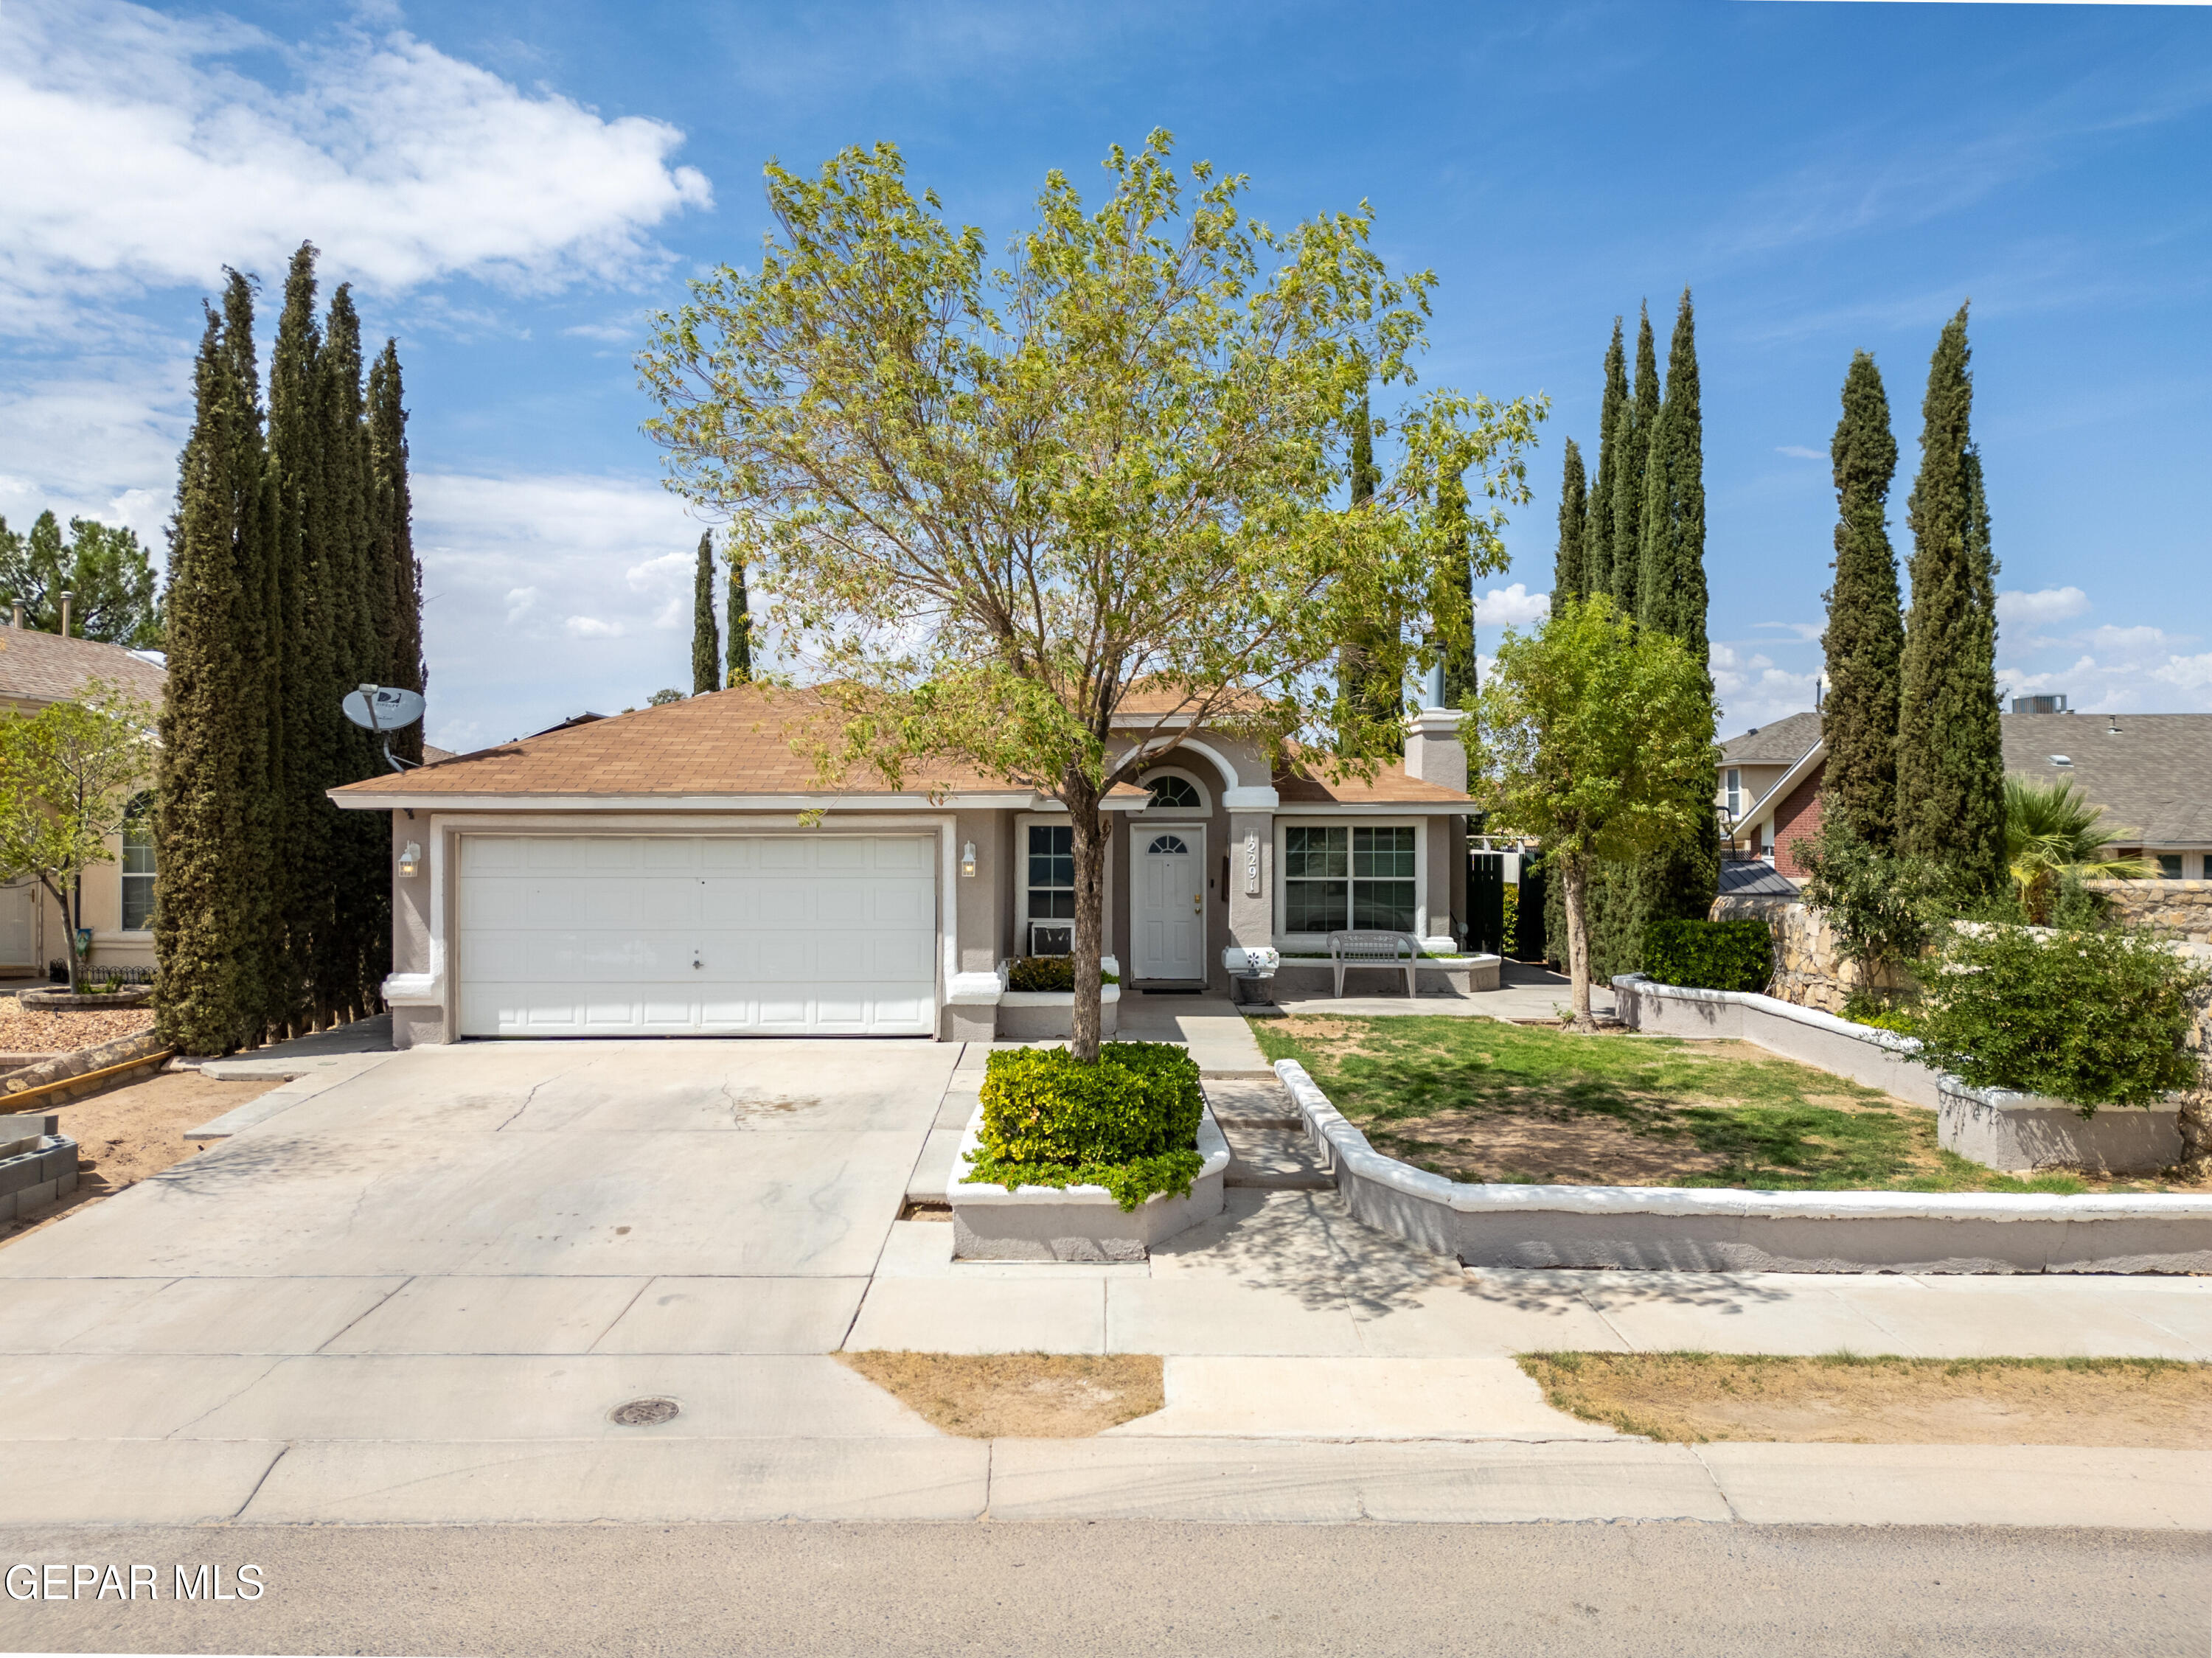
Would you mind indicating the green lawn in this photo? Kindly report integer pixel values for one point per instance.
(1482, 1100)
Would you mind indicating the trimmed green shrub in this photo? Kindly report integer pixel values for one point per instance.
(2089, 1016)
(1735, 955)
(1128, 1123)
(1046, 973)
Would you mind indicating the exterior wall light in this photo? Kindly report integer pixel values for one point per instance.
(411, 860)
(968, 861)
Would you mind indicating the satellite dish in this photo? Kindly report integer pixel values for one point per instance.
(383, 707)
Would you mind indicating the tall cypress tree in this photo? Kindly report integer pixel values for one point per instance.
(1569, 578)
(209, 930)
(741, 621)
(1612, 411)
(399, 574)
(1458, 642)
(1864, 641)
(1638, 419)
(349, 985)
(1950, 764)
(706, 638)
(1679, 879)
(1356, 684)
(300, 883)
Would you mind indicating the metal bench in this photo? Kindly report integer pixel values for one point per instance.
(1389, 951)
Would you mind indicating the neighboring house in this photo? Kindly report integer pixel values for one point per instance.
(666, 870)
(37, 669)
(2152, 773)
(1753, 763)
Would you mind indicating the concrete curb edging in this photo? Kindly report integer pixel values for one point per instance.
(1076, 1222)
(1712, 1229)
(1996, 1127)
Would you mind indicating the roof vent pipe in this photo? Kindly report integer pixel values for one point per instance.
(18, 620)
(66, 597)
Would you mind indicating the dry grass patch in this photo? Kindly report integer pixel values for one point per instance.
(1017, 1395)
(2138, 1403)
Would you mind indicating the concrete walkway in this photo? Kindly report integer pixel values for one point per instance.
(422, 1292)
(1526, 991)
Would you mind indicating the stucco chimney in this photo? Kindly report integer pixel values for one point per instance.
(66, 597)
(18, 620)
(1433, 751)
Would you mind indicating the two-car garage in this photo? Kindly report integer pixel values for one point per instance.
(791, 934)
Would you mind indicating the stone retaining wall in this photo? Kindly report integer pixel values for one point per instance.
(2179, 909)
(145, 1045)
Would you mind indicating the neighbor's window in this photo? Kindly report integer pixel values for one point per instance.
(2169, 867)
(1176, 791)
(1335, 879)
(138, 865)
(1052, 872)
(1735, 791)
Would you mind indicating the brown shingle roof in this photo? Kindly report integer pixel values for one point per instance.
(733, 742)
(1389, 786)
(1781, 743)
(38, 667)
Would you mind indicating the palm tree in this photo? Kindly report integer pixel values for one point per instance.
(2051, 830)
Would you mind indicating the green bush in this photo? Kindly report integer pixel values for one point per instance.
(1046, 973)
(1710, 955)
(2092, 1017)
(1128, 1123)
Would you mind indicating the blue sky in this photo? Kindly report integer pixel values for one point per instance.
(513, 188)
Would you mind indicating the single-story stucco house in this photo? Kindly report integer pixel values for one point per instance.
(38, 670)
(682, 870)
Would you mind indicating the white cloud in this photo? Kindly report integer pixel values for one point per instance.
(530, 612)
(2040, 608)
(1808, 632)
(1511, 606)
(1799, 452)
(1752, 691)
(138, 156)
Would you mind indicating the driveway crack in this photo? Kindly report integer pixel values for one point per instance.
(524, 1107)
(282, 1451)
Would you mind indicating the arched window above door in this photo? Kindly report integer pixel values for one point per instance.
(1168, 846)
(1172, 790)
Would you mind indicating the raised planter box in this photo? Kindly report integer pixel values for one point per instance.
(81, 1001)
(1304, 977)
(1082, 1223)
(1994, 1127)
(1029, 1016)
(1720, 1230)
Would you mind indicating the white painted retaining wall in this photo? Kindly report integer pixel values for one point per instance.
(1995, 1128)
(1076, 1222)
(1723, 1231)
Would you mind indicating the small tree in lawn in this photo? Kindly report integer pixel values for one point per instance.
(68, 775)
(990, 503)
(1586, 737)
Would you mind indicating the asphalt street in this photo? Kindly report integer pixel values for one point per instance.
(1130, 1588)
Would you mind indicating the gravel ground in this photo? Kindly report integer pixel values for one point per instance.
(28, 1031)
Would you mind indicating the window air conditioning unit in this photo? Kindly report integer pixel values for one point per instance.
(1051, 937)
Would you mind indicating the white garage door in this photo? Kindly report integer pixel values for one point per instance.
(647, 935)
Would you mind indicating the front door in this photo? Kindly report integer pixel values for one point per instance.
(1170, 894)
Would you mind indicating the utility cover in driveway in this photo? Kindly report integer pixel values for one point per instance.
(641, 935)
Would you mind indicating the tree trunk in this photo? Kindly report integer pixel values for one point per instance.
(1090, 847)
(1574, 881)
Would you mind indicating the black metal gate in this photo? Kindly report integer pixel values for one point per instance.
(1529, 943)
(1486, 902)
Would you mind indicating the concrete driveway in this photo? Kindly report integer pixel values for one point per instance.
(460, 1255)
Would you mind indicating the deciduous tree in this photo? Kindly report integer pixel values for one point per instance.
(1588, 736)
(994, 501)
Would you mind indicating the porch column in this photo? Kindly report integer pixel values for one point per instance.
(1251, 878)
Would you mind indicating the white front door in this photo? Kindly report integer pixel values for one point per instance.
(1171, 902)
(649, 935)
(18, 935)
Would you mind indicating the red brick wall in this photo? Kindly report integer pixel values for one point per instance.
(1798, 818)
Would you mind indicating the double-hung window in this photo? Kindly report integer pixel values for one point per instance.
(1336, 878)
(1052, 872)
(138, 865)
